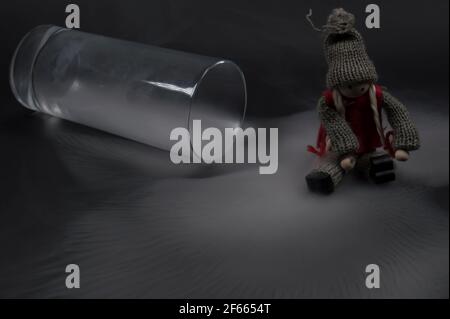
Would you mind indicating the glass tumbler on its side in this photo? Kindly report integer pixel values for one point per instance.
(136, 91)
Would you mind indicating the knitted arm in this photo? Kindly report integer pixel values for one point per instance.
(406, 136)
(343, 140)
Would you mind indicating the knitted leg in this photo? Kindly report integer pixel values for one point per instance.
(326, 176)
(376, 166)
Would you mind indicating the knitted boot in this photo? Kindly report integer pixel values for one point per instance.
(326, 176)
(378, 167)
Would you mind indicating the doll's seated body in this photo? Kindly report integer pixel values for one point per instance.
(360, 141)
(352, 134)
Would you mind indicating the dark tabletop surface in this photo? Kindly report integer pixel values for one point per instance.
(140, 226)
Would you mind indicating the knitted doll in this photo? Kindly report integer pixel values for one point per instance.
(352, 133)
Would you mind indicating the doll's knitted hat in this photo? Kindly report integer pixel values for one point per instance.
(345, 51)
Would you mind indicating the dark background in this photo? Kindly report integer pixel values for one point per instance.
(273, 43)
(139, 226)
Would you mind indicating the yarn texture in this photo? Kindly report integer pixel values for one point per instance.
(406, 136)
(345, 51)
(342, 138)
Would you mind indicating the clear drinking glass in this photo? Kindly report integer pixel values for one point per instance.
(136, 91)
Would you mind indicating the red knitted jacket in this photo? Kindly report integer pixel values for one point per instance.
(359, 115)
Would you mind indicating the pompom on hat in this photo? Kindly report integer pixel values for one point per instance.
(345, 51)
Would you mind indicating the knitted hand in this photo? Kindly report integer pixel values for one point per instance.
(348, 163)
(401, 155)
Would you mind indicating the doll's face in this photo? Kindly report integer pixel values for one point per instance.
(354, 89)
